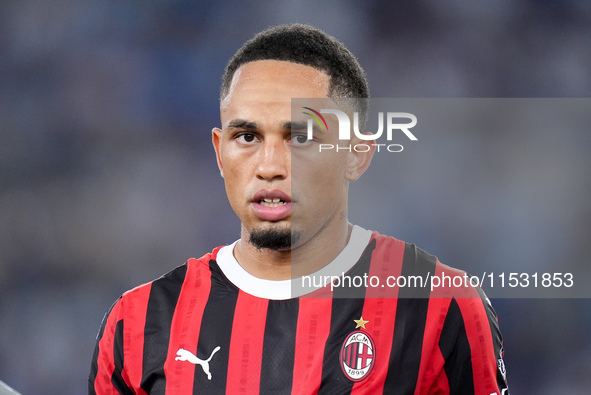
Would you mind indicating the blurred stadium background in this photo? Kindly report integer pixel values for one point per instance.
(108, 178)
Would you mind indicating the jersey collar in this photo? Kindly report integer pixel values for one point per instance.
(288, 289)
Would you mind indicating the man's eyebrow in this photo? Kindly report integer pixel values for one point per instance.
(293, 126)
(242, 124)
(247, 125)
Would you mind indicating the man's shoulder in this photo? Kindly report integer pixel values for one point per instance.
(412, 253)
(427, 275)
(173, 279)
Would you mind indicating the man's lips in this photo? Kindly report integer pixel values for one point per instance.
(271, 205)
(266, 194)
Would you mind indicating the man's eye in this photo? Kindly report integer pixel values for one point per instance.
(246, 137)
(300, 139)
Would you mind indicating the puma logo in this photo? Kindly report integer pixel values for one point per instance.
(185, 355)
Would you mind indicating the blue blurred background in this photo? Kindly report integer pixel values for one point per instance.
(108, 178)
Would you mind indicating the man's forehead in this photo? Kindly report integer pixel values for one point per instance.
(281, 79)
(285, 66)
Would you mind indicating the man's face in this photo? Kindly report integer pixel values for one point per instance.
(259, 149)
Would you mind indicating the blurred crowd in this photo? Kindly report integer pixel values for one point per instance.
(108, 178)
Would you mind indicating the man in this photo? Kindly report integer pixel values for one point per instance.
(232, 321)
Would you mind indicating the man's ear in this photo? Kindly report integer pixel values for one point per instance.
(216, 139)
(358, 161)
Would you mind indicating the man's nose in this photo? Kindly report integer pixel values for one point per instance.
(274, 160)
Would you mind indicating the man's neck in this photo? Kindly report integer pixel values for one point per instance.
(301, 260)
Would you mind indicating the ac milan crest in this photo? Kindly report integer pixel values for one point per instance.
(357, 356)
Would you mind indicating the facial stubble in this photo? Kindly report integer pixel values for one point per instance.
(274, 239)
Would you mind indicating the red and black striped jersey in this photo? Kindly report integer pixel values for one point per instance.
(209, 327)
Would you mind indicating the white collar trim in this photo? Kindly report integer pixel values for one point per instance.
(287, 289)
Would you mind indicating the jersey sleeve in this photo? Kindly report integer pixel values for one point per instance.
(135, 333)
(117, 362)
(472, 346)
(106, 371)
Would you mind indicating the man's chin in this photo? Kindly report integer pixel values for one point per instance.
(273, 238)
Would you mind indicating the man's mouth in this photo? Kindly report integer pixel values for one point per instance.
(272, 202)
(271, 205)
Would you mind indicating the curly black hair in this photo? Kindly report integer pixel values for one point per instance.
(307, 45)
